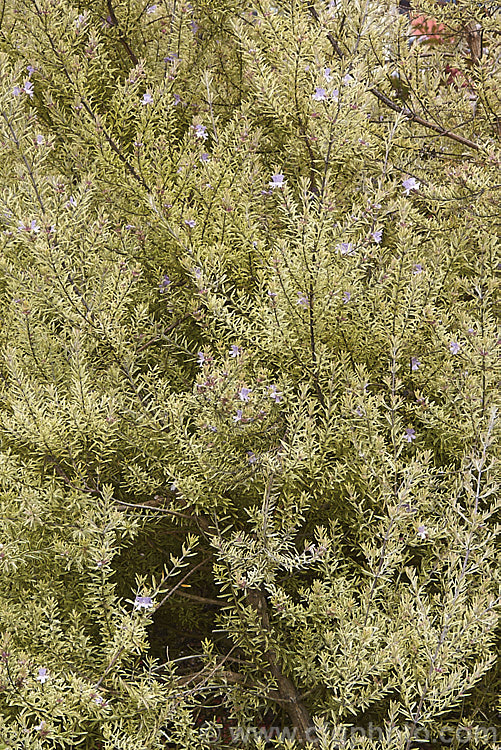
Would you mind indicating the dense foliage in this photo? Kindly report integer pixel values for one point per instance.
(248, 374)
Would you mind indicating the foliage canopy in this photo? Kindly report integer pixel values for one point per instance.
(249, 373)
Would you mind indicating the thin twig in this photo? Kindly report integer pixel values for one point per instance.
(410, 115)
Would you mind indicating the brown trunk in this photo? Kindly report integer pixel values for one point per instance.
(288, 694)
(474, 39)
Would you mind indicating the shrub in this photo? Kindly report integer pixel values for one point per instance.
(248, 407)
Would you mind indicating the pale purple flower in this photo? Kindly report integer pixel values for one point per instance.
(410, 184)
(235, 350)
(143, 602)
(198, 273)
(327, 74)
(151, 9)
(204, 157)
(454, 347)
(99, 700)
(415, 364)
(244, 393)
(277, 180)
(30, 69)
(31, 227)
(80, 20)
(410, 434)
(418, 268)
(271, 294)
(147, 99)
(238, 416)
(190, 223)
(422, 532)
(28, 88)
(335, 95)
(164, 284)
(377, 236)
(201, 358)
(43, 674)
(345, 248)
(177, 99)
(201, 132)
(346, 297)
(274, 394)
(39, 140)
(129, 226)
(320, 94)
(251, 457)
(302, 299)
(16, 91)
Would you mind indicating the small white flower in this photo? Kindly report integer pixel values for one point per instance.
(42, 675)
(410, 434)
(28, 88)
(201, 132)
(143, 602)
(410, 184)
(274, 394)
(32, 227)
(147, 99)
(345, 248)
(320, 94)
(454, 347)
(277, 180)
